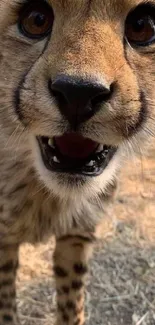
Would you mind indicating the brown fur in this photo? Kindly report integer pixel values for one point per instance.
(35, 203)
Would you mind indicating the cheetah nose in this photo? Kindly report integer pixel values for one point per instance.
(78, 99)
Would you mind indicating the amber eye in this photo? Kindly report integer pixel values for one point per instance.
(36, 20)
(140, 27)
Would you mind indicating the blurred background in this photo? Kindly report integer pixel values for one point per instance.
(121, 283)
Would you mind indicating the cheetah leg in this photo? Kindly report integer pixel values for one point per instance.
(71, 259)
(8, 267)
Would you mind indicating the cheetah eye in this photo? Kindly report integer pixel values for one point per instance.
(36, 20)
(140, 26)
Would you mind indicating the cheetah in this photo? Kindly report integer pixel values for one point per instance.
(76, 97)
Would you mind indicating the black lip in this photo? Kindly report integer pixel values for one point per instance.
(74, 166)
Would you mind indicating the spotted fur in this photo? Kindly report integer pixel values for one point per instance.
(36, 203)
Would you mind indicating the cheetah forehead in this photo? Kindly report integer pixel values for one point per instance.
(113, 5)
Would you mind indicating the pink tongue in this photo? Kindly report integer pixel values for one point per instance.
(75, 146)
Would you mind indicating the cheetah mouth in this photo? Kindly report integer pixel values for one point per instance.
(74, 154)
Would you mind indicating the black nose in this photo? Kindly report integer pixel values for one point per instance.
(78, 99)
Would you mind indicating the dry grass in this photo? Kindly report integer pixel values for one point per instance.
(121, 285)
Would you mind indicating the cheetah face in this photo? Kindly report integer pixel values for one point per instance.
(80, 76)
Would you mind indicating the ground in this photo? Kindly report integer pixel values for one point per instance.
(121, 284)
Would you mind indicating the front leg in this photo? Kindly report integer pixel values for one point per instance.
(8, 267)
(71, 259)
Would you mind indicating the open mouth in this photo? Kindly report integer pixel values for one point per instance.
(74, 154)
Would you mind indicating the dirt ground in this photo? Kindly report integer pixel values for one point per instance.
(121, 283)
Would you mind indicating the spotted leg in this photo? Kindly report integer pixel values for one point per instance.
(71, 259)
(8, 266)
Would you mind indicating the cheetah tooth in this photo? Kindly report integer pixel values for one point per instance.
(56, 160)
(90, 163)
(100, 148)
(50, 142)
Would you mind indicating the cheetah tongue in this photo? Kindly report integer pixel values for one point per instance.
(75, 146)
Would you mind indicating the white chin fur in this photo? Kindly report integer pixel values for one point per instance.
(60, 185)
